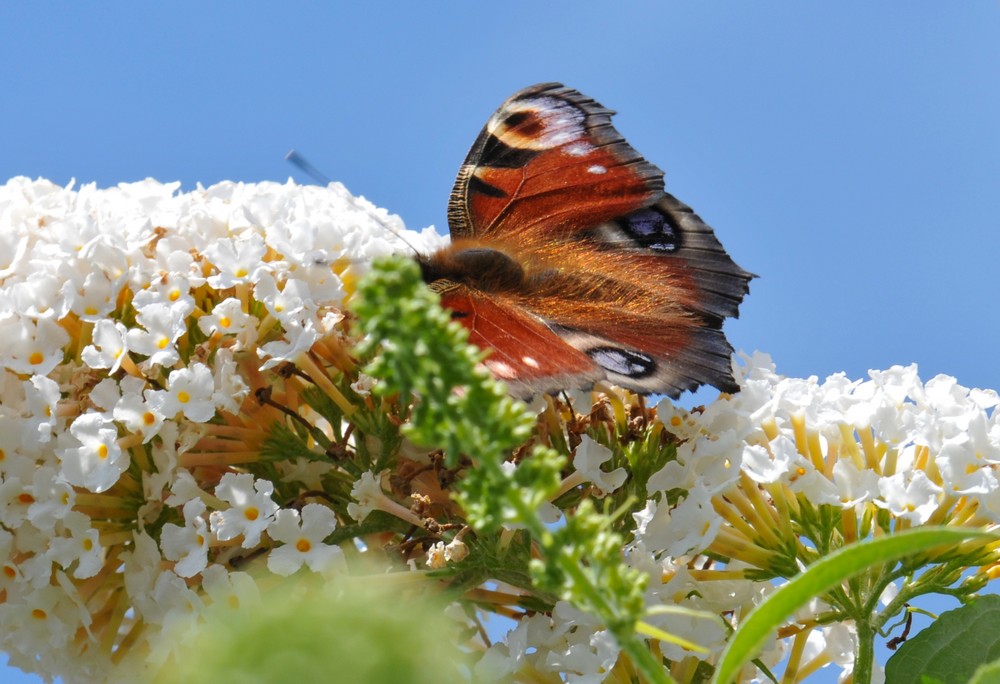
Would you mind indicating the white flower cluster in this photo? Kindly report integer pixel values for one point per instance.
(130, 318)
(146, 337)
(749, 466)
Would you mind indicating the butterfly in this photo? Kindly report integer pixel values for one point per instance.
(571, 264)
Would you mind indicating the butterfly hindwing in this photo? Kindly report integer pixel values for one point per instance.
(524, 352)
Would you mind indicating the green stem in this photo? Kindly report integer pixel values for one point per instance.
(864, 654)
(625, 635)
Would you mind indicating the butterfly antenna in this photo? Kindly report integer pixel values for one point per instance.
(303, 164)
(298, 160)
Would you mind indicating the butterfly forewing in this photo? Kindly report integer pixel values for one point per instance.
(548, 159)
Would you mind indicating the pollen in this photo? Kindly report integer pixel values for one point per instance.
(36, 358)
(174, 295)
(162, 343)
(183, 397)
(251, 513)
(303, 545)
(675, 421)
(148, 418)
(224, 322)
(102, 451)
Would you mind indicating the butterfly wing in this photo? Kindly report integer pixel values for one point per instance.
(663, 286)
(525, 353)
(608, 263)
(548, 159)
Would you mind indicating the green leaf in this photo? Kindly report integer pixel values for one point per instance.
(987, 674)
(819, 578)
(953, 648)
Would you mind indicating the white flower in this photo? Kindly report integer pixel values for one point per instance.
(135, 412)
(236, 590)
(108, 346)
(440, 553)
(363, 385)
(302, 538)
(228, 318)
(82, 546)
(689, 527)
(910, 495)
(32, 346)
(588, 459)
(189, 391)
(251, 511)
(92, 459)
(41, 398)
(163, 327)
(187, 545)
(367, 492)
(172, 290)
(238, 260)
(230, 388)
(854, 485)
(52, 499)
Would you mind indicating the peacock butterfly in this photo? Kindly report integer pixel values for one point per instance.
(572, 265)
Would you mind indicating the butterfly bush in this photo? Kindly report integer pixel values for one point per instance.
(186, 420)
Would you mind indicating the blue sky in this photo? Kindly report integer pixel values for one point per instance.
(848, 153)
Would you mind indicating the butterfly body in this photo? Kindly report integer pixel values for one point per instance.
(572, 265)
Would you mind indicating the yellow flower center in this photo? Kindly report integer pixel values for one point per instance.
(303, 545)
(183, 397)
(251, 513)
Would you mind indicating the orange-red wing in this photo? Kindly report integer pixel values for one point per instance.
(549, 159)
(524, 352)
